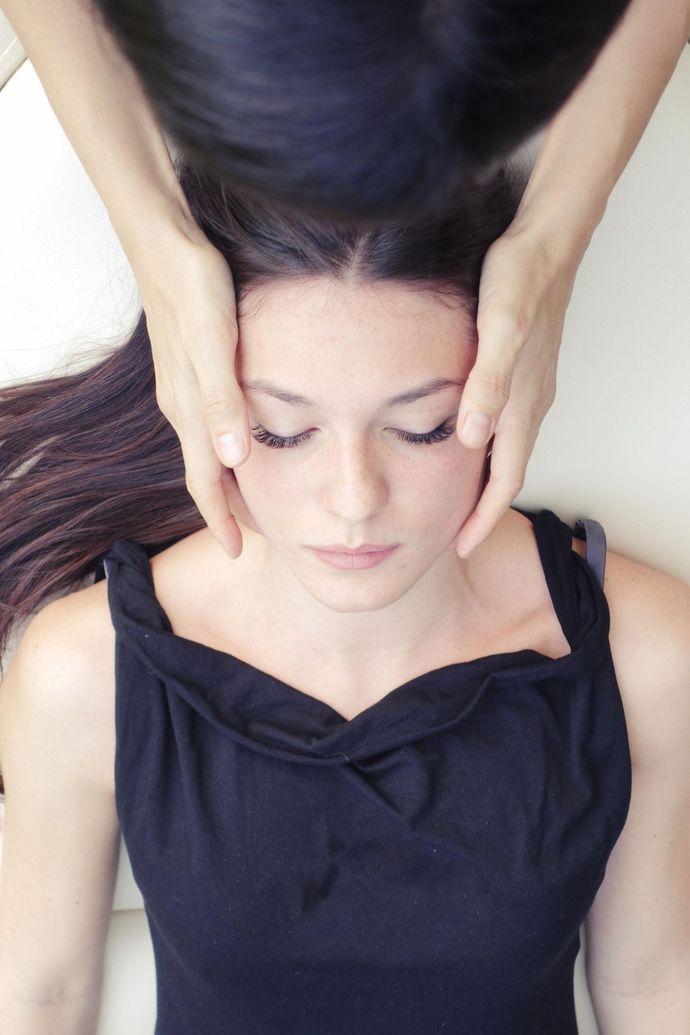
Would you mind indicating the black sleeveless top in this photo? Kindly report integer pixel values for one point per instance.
(422, 868)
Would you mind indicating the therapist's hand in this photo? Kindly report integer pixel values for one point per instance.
(188, 296)
(526, 283)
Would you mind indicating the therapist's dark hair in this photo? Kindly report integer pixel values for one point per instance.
(89, 458)
(357, 108)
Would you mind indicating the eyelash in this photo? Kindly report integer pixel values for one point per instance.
(267, 438)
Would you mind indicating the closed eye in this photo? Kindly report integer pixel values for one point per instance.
(267, 438)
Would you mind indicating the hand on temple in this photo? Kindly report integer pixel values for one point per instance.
(525, 288)
(190, 310)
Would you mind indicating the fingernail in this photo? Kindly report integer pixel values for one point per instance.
(476, 430)
(231, 448)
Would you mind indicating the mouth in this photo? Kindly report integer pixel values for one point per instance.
(362, 557)
(352, 550)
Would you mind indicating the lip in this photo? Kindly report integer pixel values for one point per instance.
(362, 558)
(354, 550)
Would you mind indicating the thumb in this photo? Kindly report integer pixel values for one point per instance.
(487, 388)
(223, 404)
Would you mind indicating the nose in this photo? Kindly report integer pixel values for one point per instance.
(355, 487)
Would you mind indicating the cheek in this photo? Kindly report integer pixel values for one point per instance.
(444, 492)
(268, 487)
(438, 489)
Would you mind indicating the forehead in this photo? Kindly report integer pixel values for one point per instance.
(290, 323)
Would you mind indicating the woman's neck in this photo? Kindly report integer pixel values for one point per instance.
(254, 608)
(441, 608)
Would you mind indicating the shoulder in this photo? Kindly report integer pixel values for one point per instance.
(650, 647)
(61, 833)
(637, 931)
(213, 583)
(61, 678)
(74, 630)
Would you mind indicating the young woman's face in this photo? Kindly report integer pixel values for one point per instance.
(347, 464)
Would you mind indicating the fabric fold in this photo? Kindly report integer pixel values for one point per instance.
(268, 715)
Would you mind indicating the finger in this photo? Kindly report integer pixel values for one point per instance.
(221, 398)
(510, 453)
(238, 506)
(487, 389)
(204, 480)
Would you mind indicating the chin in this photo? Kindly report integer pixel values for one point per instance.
(353, 594)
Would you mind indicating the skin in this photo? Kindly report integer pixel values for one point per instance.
(349, 347)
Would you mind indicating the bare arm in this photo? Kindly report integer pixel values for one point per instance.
(62, 837)
(104, 112)
(185, 284)
(638, 929)
(528, 274)
(589, 142)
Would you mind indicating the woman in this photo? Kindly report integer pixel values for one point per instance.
(500, 89)
(362, 782)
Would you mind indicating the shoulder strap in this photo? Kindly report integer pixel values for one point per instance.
(101, 571)
(595, 538)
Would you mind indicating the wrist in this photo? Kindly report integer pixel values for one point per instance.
(562, 222)
(167, 229)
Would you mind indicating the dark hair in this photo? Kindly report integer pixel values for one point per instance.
(363, 108)
(88, 458)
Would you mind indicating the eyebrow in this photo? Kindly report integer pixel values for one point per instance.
(410, 396)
